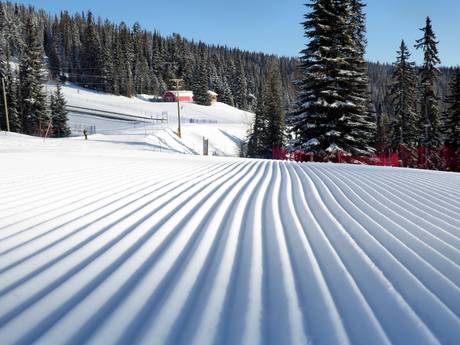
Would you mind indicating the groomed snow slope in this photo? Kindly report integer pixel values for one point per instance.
(121, 246)
(225, 126)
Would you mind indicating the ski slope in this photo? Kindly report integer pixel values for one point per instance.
(224, 126)
(109, 243)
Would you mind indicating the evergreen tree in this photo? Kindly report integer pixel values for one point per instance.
(4, 25)
(452, 121)
(34, 113)
(59, 114)
(11, 99)
(359, 132)
(109, 78)
(51, 51)
(141, 76)
(256, 148)
(332, 111)
(241, 94)
(274, 110)
(125, 61)
(312, 117)
(405, 129)
(382, 132)
(269, 125)
(430, 126)
(225, 93)
(91, 56)
(200, 89)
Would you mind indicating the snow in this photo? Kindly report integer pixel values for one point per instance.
(312, 142)
(333, 134)
(109, 241)
(333, 148)
(225, 126)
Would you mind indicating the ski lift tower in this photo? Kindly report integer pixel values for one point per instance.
(178, 82)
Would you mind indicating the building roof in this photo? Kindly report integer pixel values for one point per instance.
(181, 93)
(212, 93)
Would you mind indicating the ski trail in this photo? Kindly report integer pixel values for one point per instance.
(45, 286)
(408, 204)
(45, 227)
(147, 248)
(169, 255)
(430, 204)
(322, 319)
(169, 320)
(429, 236)
(284, 317)
(244, 292)
(208, 325)
(446, 318)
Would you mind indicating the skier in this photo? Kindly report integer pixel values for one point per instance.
(85, 133)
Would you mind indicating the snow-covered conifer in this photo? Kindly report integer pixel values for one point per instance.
(59, 114)
(268, 130)
(403, 91)
(332, 110)
(33, 104)
(201, 86)
(452, 120)
(430, 126)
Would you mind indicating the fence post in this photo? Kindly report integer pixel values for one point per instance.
(205, 146)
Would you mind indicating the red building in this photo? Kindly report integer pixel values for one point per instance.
(183, 96)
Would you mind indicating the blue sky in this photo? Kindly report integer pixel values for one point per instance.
(272, 26)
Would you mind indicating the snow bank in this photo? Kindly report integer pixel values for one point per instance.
(225, 127)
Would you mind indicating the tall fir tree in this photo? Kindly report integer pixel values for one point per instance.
(241, 85)
(11, 99)
(4, 31)
(125, 60)
(452, 117)
(382, 132)
(256, 148)
(201, 89)
(268, 130)
(274, 110)
(311, 118)
(430, 126)
(403, 93)
(332, 110)
(225, 93)
(91, 56)
(33, 104)
(359, 133)
(3, 66)
(59, 114)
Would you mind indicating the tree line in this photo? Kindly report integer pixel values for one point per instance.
(329, 99)
(424, 113)
(358, 109)
(26, 107)
(122, 60)
(333, 110)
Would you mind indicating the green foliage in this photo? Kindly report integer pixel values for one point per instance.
(268, 130)
(59, 114)
(430, 125)
(332, 111)
(452, 120)
(33, 105)
(405, 129)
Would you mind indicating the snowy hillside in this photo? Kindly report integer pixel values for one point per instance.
(109, 243)
(224, 126)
